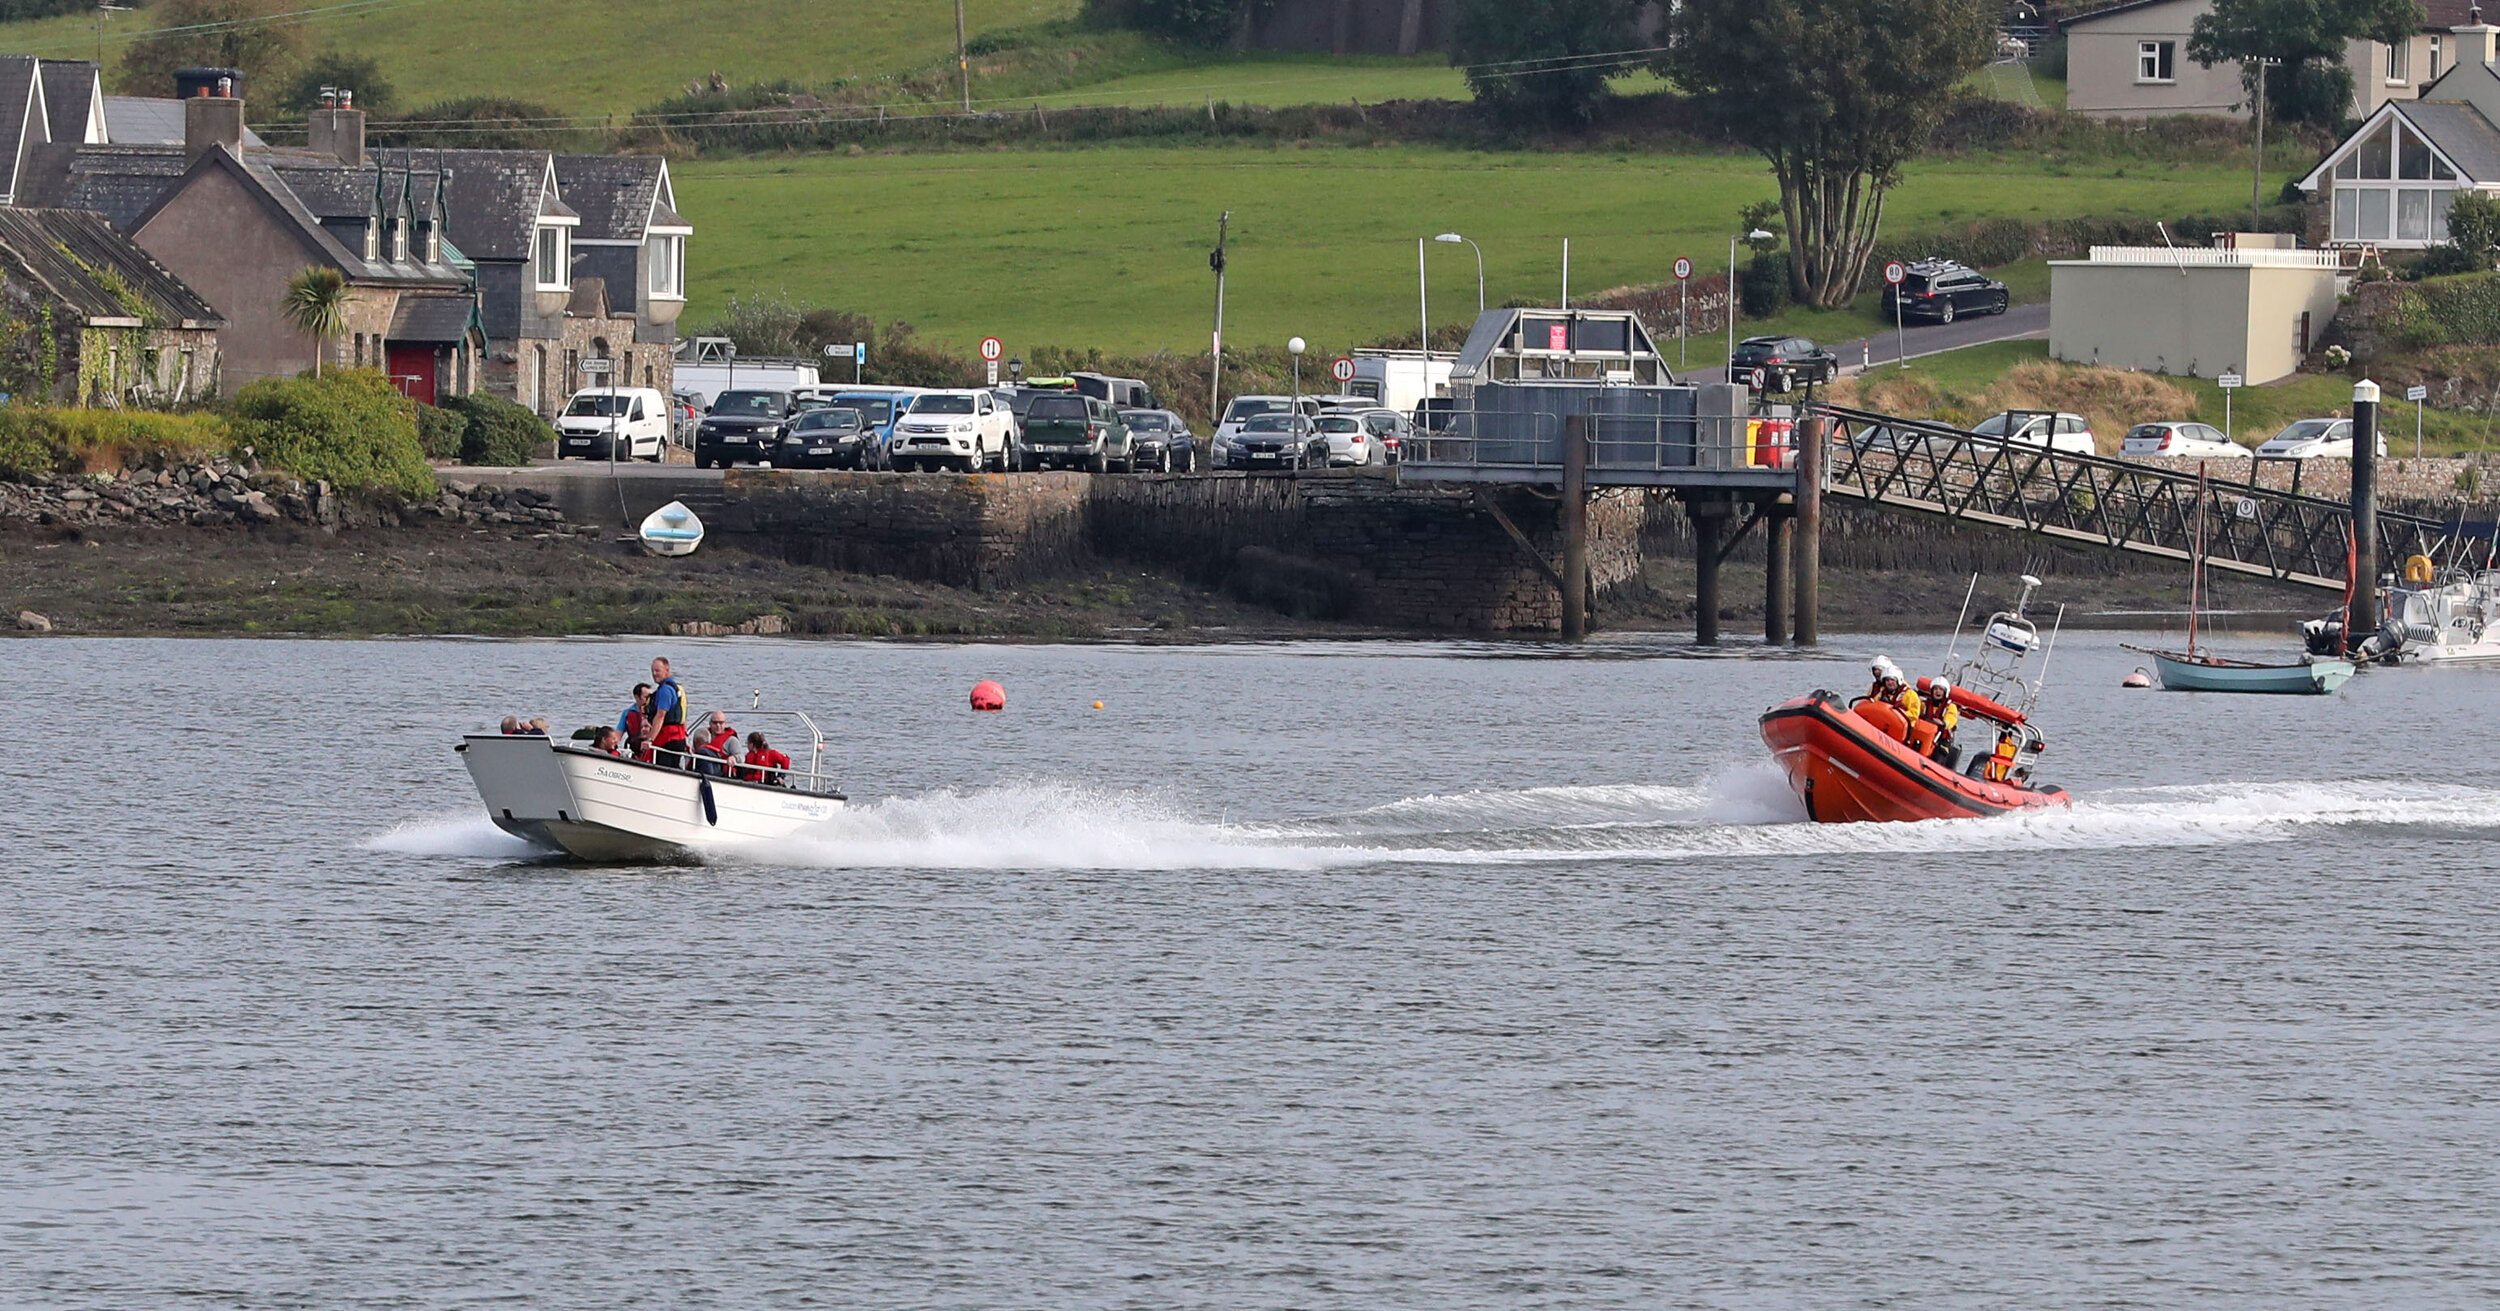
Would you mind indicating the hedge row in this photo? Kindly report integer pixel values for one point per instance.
(37, 441)
(1988, 243)
(2459, 311)
(351, 427)
(497, 432)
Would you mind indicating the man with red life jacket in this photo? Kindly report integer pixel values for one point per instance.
(764, 765)
(718, 747)
(669, 743)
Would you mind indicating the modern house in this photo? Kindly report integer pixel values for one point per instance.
(2131, 61)
(2249, 308)
(89, 318)
(2388, 185)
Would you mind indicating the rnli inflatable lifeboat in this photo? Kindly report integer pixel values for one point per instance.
(1851, 764)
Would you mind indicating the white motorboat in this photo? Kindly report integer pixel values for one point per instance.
(672, 529)
(2452, 618)
(607, 808)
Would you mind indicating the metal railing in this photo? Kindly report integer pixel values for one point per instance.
(1620, 447)
(1934, 468)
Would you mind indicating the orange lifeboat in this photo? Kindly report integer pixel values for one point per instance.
(1850, 765)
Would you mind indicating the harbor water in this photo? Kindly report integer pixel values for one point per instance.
(1380, 975)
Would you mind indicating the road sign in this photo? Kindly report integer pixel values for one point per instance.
(837, 350)
(1557, 337)
(1683, 268)
(991, 350)
(2417, 392)
(2247, 507)
(597, 368)
(1761, 379)
(2229, 381)
(859, 352)
(992, 366)
(1894, 273)
(1342, 370)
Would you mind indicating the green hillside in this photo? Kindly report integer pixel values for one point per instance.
(609, 57)
(1107, 247)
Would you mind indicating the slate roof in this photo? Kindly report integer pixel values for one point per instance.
(2460, 132)
(495, 196)
(152, 121)
(613, 193)
(68, 93)
(434, 318)
(17, 85)
(120, 182)
(77, 256)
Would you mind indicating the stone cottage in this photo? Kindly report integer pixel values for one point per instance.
(89, 318)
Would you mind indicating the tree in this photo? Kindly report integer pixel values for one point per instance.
(1837, 95)
(1542, 61)
(2311, 84)
(361, 74)
(316, 304)
(252, 35)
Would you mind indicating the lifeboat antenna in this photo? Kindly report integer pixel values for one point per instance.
(1952, 653)
(2046, 652)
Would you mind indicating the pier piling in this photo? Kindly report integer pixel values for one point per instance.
(2361, 620)
(1575, 528)
(1809, 529)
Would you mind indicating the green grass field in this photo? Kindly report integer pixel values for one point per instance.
(601, 58)
(1299, 80)
(1107, 247)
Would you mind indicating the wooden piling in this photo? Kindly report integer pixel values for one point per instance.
(1575, 528)
(2361, 620)
(1775, 546)
(1707, 515)
(1809, 529)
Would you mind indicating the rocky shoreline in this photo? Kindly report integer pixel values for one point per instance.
(220, 493)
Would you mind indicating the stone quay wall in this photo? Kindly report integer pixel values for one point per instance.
(963, 530)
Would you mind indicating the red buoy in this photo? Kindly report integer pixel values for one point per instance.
(987, 695)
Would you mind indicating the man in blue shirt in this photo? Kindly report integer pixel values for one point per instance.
(668, 715)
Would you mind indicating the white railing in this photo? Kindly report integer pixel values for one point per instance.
(2206, 257)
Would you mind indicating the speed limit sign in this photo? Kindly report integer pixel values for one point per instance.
(1342, 370)
(1683, 268)
(1895, 272)
(991, 349)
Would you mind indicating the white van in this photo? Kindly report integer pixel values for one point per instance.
(634, 421)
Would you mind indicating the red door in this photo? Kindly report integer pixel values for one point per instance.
(412, 371)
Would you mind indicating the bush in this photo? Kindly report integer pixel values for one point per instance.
(1764, 283)
(351, 427)
(2444, 260)
(1528, 62)
(439, 432)
(2051, 61)
(483, 122)
(37, 440)
(498, 432)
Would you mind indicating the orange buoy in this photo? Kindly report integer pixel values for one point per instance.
(987, 695)
(1098, 705)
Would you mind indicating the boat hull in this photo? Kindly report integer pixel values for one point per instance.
(2313, 678)
(601, 808)
(1848, 771)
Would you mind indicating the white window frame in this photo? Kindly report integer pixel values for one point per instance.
(2435, 50)
(563, 252)
(2399, 63)
(666, 250)
(2151, 58)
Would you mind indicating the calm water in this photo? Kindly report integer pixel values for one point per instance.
(1416, 976)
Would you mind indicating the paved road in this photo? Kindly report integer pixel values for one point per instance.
(2016, 324)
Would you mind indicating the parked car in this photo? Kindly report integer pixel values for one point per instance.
(743, 427)
(2314, 439)
(878, 407)
(1064, 430)
(1245, 408)
(1280, 440)
(1389, 430)
(1349, 443)
(1342, 401)
(1117, 392)
(686, 412)
(2071, 433)
(624, 423)
(1797, 357)
(833, 437)
(1942, 290)
(967, 430)
(2199, 441)
(1164, 441)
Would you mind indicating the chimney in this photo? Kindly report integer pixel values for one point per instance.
(2474, 39)
(338, 127)
(211, 120)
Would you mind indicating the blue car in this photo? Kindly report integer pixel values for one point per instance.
(878, 407)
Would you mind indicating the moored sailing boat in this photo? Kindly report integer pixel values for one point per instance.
(2193, 670)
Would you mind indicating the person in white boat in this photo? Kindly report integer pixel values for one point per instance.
(634, 723)
(610, 741)
(668, 717)
(718, 747)
(765, 765)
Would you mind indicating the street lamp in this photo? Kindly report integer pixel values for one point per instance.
(1295, 346)
(1757, 234)
(1452, 238)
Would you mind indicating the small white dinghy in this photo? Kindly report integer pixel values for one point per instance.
(672, 530)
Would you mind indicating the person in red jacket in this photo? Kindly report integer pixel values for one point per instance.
(717, 747)
(764, 765)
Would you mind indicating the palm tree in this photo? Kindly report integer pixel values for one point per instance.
(316, 303)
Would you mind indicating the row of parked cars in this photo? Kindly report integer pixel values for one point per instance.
(1309, 432)
(2302, 439)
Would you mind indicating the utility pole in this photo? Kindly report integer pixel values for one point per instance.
(1215, 376)
(2257, 183)
(963, 65)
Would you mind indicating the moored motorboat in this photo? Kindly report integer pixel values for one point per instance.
(609, 808)
(1862, 760)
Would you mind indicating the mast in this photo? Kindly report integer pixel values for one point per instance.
(2196, 562)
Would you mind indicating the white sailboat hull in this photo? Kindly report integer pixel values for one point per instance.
(599, 807)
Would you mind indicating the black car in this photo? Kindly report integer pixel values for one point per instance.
(1163, 439)
(823, 439)
(743, 428)
(1943, 291)
(1266, 442)
(1791, 361)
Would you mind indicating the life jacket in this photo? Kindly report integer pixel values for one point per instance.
(672, 729)
(2000, 766)
(772, 764)
(633, 725)
(719, 743)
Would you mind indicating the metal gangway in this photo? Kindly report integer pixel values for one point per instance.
(1933, 468)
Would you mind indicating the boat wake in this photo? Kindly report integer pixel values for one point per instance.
(1744, 813)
